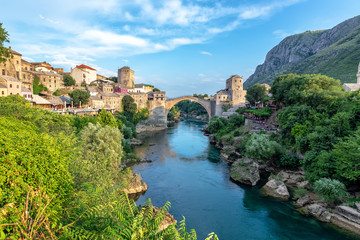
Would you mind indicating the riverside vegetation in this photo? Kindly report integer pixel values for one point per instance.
(319, 133)
(62, 177)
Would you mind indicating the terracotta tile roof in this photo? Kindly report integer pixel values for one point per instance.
(39, 100)
(85, 66)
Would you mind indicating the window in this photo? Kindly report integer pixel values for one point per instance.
(17, 61)
(17, 86)
(10, 85)
(50, 80)
(25, 68)
(24, 76)
(2, 93)
(3, 72)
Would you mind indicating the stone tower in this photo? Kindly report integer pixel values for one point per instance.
(126, 77)
(234, 85)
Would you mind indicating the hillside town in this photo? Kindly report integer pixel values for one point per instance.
(18, 76)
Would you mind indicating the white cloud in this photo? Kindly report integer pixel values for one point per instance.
(206, 53)
(27, 59)
(125, 60)
(201, 75)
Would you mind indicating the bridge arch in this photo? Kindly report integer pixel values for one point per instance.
(171, 102)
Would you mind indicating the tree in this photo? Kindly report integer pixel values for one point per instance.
(37, 86)
(100, 158)
(256, 93)
(315, 90)
(330, 190)
(78, 96)
(69, 80)
(156, 90)
(129, 104)
(261, 147)
(114, 79)
(347, 157)
(105, 118)
(5, 53)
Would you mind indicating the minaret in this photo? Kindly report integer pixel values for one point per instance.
(358, 75)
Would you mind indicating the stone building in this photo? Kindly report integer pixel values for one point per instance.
(51, 80)
(140, 99)
(349, 87)
(12, 85)
(83, 74)
(12, 66)
(233, 95)
(112, 100)
(3, 90)
(126, 77)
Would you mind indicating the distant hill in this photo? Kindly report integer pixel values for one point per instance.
(334, 52)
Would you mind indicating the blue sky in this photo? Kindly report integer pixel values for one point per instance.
(180, 46)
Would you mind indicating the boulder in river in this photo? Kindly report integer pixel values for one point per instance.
(276, 189)
(245, 171)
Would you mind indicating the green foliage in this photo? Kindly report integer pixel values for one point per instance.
(190, 107)
(141, 115)
(100, 156)
(346, 155)
(260, 146)
(300, 192)
(81, 122)
(289, 161)
(5, 53)
(156, 90)
(31, 159)
(78, 96)
(256, 93)
(105, 118)
(216, 123)
(57, 92)
(69, 80)
(330, 190)
(114, 79)
(37, 86)
(129, 105)
(317, 91)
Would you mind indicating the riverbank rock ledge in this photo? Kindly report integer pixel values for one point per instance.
(245, 171)
(349, 213)
(276, 189)
(167, 221)
(136, 185)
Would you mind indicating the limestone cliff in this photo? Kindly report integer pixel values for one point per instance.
(334, 52)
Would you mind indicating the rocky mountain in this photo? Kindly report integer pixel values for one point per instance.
(334, 52)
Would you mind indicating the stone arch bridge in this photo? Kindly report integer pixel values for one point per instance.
(171, 102)
(160, 109)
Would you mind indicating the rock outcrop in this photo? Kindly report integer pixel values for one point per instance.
(136, 185)
(168, 220)
(276, 189)
(313, 52)
(245, 171)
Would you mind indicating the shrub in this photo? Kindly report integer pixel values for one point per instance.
(260, 147)
(300, 192)
(237, 133)
(289, 161)
(330, 190)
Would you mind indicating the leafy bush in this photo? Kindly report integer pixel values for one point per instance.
(330, 190)
(216, 123)
(300, 192)
(236, 133)
(31, 159)
(260, 147)
(289, 161)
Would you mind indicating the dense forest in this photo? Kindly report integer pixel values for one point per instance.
(62, 176)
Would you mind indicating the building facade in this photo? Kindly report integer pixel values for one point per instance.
(126, 77)
(12, 66)
(12, 84)
(83, 74)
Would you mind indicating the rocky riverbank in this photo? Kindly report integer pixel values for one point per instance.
(286, 185)
(144, 128)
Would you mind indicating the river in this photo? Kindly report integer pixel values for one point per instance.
(187, 171)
